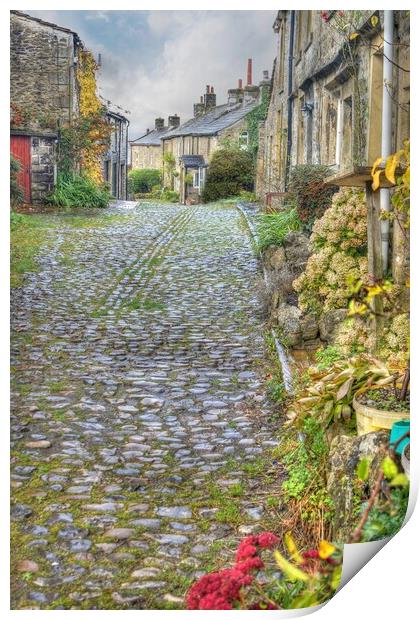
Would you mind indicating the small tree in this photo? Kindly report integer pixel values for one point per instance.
(141, 181)
(170, 164)
(231, 170)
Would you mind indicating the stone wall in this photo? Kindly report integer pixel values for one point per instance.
(43, 72)
(43, 167)
(146, 156)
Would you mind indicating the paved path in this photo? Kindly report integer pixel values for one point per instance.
(139, 426)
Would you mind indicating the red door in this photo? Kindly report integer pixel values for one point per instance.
(20, 148)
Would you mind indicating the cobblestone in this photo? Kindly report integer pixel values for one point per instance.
(138, 364)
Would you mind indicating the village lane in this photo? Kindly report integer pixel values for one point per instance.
(140, 422)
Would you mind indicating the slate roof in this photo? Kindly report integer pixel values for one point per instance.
(215, 120)
(193, 161)
(152, 138)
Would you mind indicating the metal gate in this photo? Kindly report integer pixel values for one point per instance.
(20, 148)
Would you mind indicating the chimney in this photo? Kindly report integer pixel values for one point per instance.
(240, 83)
(249, 73)
(265, 75)
(209, 98)
(173, 121)
(159, 123)
(199, 109)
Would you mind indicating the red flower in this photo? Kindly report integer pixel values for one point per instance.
(266, 540)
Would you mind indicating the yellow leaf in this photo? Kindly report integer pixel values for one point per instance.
(400, 480)
(291, 572)
(374, 20)
(376, 180)
(292, 549)
(353, 35)
(376, 163)
(390, 165)
(326, 549)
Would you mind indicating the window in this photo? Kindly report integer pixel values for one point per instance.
(243, 140)
(196, 183)
(202, 176)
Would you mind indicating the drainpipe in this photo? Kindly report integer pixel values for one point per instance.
(290, 98)
(126, 158)
(386, 145)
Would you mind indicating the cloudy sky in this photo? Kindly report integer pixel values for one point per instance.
(157, 63)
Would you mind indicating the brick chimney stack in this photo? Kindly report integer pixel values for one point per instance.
(209, 98)
(173, 121)
(159, 123)
(249, 73)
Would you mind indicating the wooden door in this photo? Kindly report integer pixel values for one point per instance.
(20, 148)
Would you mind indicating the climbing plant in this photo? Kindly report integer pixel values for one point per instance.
(88, 139)
(254, 119)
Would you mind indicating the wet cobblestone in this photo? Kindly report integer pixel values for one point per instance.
(138, 408)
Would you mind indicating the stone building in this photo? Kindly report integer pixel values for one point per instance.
(146, 151)
(115, 162)
(43, 96)
(327, 94)
(44, 99)
(194, 142)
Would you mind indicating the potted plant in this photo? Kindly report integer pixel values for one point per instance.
(381, 406)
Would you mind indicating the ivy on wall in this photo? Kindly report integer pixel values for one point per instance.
(93, 128)
(254, 118)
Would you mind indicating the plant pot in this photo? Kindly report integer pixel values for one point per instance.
(405, 461)
(370, 419)
(399, 429)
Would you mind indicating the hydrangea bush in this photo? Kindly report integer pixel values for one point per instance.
(339, 241)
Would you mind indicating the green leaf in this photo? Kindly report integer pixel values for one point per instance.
(389, 468)
(363, 468)
(400, 480)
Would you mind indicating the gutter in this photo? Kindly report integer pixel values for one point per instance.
(290, 98)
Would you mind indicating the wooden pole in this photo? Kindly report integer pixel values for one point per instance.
(374, 255)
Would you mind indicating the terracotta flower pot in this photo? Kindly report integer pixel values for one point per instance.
(370, 419)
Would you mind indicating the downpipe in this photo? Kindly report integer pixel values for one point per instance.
(386, 140)
(282, 355)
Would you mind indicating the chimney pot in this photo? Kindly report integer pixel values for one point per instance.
(159, 123)
(207, 88)
(240, 83)
(265, 75)
(201, 99)
(249, 73)
(212, 89)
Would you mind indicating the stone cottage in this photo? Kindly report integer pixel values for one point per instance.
(327, 94)
(146, 151)
(194, 142)
(43, 96)
(115, 162)
(340, 96)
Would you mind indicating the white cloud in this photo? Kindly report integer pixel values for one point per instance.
(192, 49)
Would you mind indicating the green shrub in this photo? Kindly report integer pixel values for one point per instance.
(142, 181)
(308, 190)
(248, 196)
(170, 195)
(273, 227)
(231, 170)
(73, 190)
(16, 193)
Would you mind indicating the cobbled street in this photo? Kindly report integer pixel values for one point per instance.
(140, 424)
